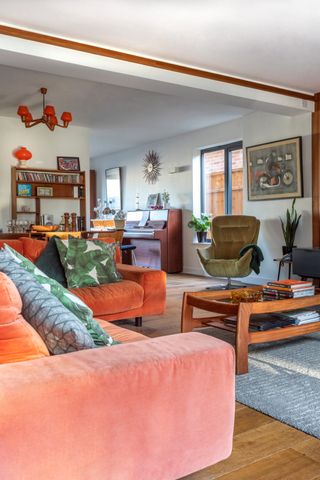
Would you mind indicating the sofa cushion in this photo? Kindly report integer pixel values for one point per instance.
(16, 244)
(111, 297)
(18, 340)
(70, 301)
(61, 331)
(32, 247)
(122, 335)
(87, 263)
(49, 262)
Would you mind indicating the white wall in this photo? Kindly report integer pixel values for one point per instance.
(45, 147)
(184, 150)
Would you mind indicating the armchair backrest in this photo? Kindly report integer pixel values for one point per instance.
(230, 233)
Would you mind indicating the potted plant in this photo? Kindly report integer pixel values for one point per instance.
(289, 227)
(201, 226)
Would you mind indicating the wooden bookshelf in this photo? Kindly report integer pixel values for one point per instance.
(64, 185)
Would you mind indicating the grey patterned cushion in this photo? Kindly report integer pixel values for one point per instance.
(61, 331)
(70, 301)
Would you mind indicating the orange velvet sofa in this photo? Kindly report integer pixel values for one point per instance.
(141, 292)
(148, 409)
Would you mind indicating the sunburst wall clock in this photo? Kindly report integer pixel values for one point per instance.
(151, 167)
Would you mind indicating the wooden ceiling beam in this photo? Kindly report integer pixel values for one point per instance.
(127, 57)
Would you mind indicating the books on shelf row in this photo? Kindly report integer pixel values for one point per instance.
(268, 321)
(48, 177)
(288, 289)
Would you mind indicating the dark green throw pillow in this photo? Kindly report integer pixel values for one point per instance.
(49, 262)
(88, 263)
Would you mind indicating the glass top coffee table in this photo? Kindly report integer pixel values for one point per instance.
(219, 304)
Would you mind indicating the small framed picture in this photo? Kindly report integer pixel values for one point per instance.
(153, 200)
(44, 191)
(68, 164)
(24, 190)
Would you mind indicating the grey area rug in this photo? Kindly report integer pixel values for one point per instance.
(284, 382)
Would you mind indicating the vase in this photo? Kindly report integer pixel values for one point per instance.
(23, 155)
(202, 237)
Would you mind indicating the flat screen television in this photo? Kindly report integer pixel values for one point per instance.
(306, 262)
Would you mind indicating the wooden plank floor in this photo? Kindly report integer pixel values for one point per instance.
(263, 447)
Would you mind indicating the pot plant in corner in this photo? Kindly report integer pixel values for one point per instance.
(289, 227)
(201, 226)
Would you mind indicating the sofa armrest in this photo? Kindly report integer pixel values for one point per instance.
(157, 409)
(153, 283)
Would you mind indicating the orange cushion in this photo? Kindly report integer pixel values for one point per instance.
(16, 244)
(18, 340)
(111, 297)
(32, 247)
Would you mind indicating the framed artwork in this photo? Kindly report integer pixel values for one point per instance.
(153, 200)
(44, 191)
(24, 190)
(68, 164)
(275, 170)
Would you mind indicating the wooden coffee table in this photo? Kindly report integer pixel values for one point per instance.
(218, 303)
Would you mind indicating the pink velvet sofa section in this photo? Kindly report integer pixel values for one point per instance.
(157, 409)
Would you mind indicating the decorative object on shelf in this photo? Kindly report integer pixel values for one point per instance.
(289, 228)
(201, 226)
(68, 164)
(275, 170)
(66, 221)
(44, 191)
(23, 155)
(151, 167)
(24, 190)
(166, 199)
(25, 209)
(108, 212)
(137, 201)
(73, 222)
(153, 201)
(48, 115)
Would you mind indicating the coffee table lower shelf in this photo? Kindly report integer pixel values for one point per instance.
(218, 303)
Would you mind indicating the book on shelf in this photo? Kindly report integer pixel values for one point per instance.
(300, 317)
(262, 322)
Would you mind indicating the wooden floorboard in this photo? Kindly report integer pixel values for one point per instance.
(263, 447)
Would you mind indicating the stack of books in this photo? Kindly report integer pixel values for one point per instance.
(300, 317)
(282, 289)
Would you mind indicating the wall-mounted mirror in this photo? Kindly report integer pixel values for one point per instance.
(113, 188)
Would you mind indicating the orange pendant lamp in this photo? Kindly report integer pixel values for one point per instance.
(48, 115)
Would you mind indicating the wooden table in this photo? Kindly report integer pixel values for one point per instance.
(218, 303)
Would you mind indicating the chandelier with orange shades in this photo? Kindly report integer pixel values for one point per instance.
(48, 115)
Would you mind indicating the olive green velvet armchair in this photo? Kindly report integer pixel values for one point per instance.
(230, 233)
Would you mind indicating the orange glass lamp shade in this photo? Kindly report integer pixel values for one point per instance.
(23, 155)
(49, 111)
(66, 117)
(23, 111)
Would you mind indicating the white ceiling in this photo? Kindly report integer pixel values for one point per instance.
(273, 41)
(119, 117)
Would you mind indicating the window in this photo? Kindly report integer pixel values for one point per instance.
(222, 179)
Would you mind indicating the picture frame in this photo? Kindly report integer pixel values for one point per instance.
(153, 200)
(274, 170)
(68, 164)
(24, 190)
(44, 192)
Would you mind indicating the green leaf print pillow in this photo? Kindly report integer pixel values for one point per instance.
(88, 263)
